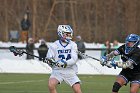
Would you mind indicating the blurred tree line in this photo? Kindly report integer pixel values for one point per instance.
(94, 20)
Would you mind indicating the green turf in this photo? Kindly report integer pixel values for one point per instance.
(37, 83)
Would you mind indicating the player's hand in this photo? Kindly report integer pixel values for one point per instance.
(49, 61)
(103, 60)
(111, 63)
(61, 63)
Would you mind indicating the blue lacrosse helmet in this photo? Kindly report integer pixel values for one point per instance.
(131, 42)
(65, 33)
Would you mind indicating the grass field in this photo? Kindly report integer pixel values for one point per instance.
(37, 83)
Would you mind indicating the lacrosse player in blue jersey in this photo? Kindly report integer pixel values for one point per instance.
(130, 55)
(64, 53)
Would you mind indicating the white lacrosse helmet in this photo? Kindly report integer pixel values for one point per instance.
(65, 32)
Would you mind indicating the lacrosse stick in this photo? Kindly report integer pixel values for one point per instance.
(20, 52)
(83, 55)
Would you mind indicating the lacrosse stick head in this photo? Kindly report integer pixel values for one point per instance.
(16, 52)
(13, 50)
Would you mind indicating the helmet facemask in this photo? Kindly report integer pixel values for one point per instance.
(65, 33)
(132, 41)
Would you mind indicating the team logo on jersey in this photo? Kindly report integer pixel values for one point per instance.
(64, 51)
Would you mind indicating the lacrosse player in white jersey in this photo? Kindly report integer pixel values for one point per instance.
(64, 53)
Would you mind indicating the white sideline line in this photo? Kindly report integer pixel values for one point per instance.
(2, 83)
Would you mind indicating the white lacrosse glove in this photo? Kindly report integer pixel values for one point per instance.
(61, 63)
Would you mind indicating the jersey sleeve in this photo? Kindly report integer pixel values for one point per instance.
(50, 53)
(120, 50)
(74, 56)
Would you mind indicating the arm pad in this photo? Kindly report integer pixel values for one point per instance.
(111, 55)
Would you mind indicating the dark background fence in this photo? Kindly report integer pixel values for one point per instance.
(94, 20)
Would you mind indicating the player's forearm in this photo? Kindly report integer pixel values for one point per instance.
(112, 54)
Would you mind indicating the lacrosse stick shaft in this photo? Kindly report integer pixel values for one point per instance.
(92, 57)
(20, 52)
(37, 56)
(83, 54)
(31, 54)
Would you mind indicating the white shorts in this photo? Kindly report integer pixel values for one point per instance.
(70, 78)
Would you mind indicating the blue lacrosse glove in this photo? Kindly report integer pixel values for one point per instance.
(113, 63)
(61, 63)
(103, 60)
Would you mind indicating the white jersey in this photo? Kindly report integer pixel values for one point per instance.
(68, 53)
